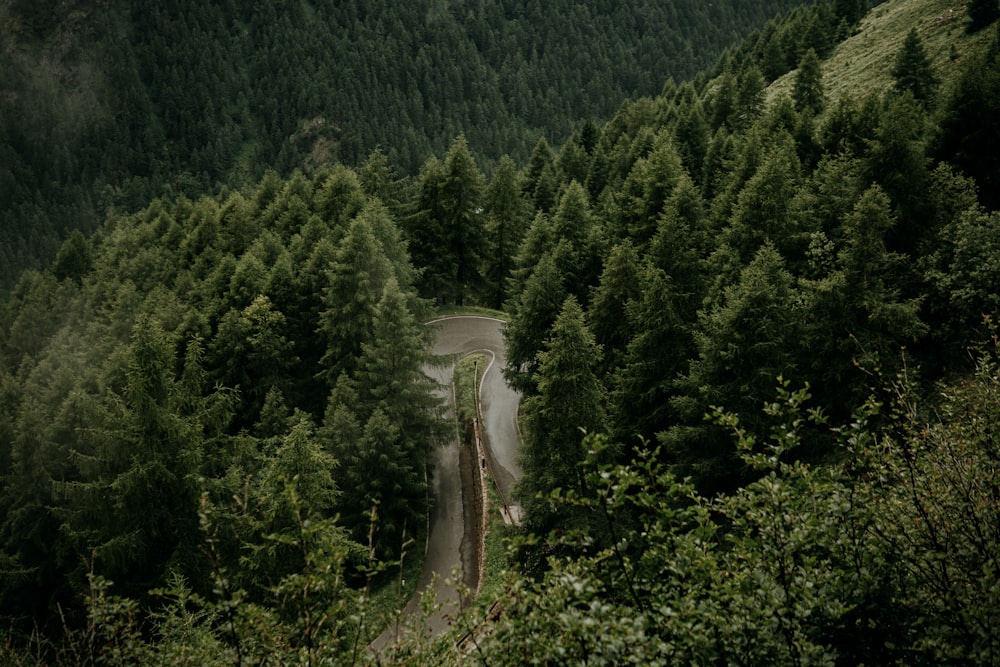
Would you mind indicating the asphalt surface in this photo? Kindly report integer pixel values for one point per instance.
(448, 544)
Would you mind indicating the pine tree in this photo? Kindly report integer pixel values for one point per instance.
(610, 301)
(506, 224)
(744, 342)
(574, 228)
(74, 259)
(462, 192)
(355, 283)
(340, 197)
(750, 98)
(849, 11)
(426, 231)
(808, 91)
(135, 507)
(536, 188)
(971, 124)
(390, 371)
(725, 101)
(447, 231)
(913, 71)
(532, 312)
(761, 211)
(570, 399)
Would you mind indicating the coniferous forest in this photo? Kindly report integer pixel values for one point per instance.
(107, 105)
(750, 283)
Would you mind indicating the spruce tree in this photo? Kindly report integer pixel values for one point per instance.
(354, 287)
(849, 11)
(570, 400)
(610, 301)
(462, 193)
(743, 343)
(506, 223)
(532, 312)
(913, 71)
(808, 91)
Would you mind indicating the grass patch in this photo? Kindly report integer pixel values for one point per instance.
(863, 63)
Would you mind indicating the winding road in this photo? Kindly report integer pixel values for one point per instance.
(451, 543)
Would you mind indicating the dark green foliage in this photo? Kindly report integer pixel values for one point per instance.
(355, 281)
(191, 394)
(746, 340)
(108, 106)
(74, 259)
(123, 417)
(913, 72)
(850, 11)
(447, 228)
(617, 289)
(808, 92)
(531, 316)
(506, 223)
(982, 13)
(898, 162)
(569, 402)
(971, 124)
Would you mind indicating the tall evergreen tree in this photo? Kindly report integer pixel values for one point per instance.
(610, 301)
(849, 11)
(506, 223)
(744, 343)
(808, 92)
(136, 506)
(532, 312)
(426, 230)
(356, 279)
(657, 351)
(577, 252)
(913, 71)
(447, 229)
(971, 125)
(570, 400)
(462, 193)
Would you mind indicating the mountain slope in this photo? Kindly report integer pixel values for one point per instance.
(864, 61)
(113, 103)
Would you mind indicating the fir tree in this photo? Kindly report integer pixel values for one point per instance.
(570, 401)
(913, 71)
(808, 91)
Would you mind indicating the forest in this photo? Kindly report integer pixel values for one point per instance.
(752, 316)
(106, 105)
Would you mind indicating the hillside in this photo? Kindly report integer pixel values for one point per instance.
(859, 63)
(109, 104)
(755, 341)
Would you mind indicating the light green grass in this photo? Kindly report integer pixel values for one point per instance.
(863, 63)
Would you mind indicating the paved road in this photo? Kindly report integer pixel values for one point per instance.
(448, 540)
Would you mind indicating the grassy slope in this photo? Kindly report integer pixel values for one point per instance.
(863, 63)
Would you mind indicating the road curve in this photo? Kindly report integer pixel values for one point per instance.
(448, 541)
